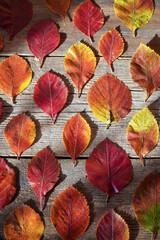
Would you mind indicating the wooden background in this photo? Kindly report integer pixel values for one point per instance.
(49, 135)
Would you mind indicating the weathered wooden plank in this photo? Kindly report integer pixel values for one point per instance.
(121, 202)
(70, 35)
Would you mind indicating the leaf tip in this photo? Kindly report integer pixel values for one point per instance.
(142, 161)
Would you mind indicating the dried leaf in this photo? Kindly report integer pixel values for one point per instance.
(88, 18)
(7, 183)
(111, 46)
(60, 7)
(15, 15)
(24, 224)
(43, 38)
(50, 94)
(146, 203)
(20, 133)
(70, 214)
(109, 168)
(43, 173)
(143, 133)
(109, 99)
(134, 13)
(145, 69)
(15, 76)
(112, 226)
(76, 136)
(1, 43)
(80, 63)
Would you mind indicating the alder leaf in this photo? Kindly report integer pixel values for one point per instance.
(76, 136)
(15, 15)
(70, 214)
(43, 173)
(60, 7)
(88, 18)
(43, 38)
(50, 94)
(20, 133)
(15, 76)
(80, 63)
(111, 46)
(112, 226)
(134, 13)
(146, 203)
(7, 183)
(108, 168)
(143, 133)
(144, 68)
(1, 43)
(109, 99)
(23, 224)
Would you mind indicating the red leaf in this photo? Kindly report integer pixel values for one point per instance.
(50, 94)
(43, 38)
(111, 46)
(112, 226)
(88, 18)
(109, 168)
(43, 173)
(15, 15)
(70, 214)
(7, 183)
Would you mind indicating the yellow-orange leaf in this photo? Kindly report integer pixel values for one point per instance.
(134, 13)
(15, 75)
(20, 133)
(76, 136)
(143, 133)
(24, 224)
(80, 63)
(1, 42)
(109, 99)
(58, 6)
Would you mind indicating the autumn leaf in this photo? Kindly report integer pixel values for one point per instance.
(15, 76)
(1, 43)
(50, 94)
(145, 70)
(112, 226)
(143, 133)
(15, 15)
(76, 136)
(80, 63)
(109, 99)
(88, 18)
(60, 7)
(111, 46)
(23, 224)
(146, 203)
(20, 133)
(7, 183)
(108, 168)
(43, 173)
(70, 214)
(43, 38)
(134, 13)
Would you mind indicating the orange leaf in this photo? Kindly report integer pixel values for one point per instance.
(70, 214)
(1, 42)
(145, 69)
(24, 224)
(80, 63)
(20, 133)
(76, 136)
(111, 46)
(60, 7)
(15, 75)
(109, 99)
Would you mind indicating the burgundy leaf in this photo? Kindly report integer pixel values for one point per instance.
(43, 173)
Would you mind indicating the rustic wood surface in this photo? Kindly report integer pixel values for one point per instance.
(51, 135)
